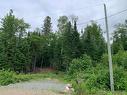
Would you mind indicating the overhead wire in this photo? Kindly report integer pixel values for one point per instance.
(117, 13)
(73, 10)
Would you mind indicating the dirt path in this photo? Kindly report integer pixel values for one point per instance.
(40, 87)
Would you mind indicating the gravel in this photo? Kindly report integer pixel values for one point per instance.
(47, 84)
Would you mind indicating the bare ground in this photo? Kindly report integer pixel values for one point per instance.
(14, 91)
(42, 87)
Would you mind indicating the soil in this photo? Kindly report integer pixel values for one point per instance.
(38, 87)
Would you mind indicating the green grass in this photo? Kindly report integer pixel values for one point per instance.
(108, 93)
(8, 77)
(100, 92)
(52, 75)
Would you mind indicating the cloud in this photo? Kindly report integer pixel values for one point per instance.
(34, 11)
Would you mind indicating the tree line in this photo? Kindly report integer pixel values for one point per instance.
(25, 51)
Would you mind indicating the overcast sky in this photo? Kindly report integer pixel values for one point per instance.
(34, 11)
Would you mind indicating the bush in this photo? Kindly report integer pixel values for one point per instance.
(7, 77)
(80, 89)
(120, 78)
(96, 77)
(10, 77)
(121, 59)
(104, 60)
(99, 79)
(80, 64)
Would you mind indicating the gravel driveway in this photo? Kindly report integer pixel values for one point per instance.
(38, 87)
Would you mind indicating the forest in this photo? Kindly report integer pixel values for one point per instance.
(80, 54)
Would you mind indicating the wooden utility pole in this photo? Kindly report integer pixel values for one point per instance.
(109, 51)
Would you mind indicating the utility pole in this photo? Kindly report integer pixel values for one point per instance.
(109, 51)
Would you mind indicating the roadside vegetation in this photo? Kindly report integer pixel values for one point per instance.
(10, 77)
(94, 79)
(78, 57)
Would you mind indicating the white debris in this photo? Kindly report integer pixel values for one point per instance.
(69, 88)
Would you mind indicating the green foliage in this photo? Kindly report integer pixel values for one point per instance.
(67, 41)
(80, 89)
(120, 38)
(95, 77)
(66, 45)
(81, 64)
(93, 42)
(76, 44)
(24, 51)
(7, 77)
(120, 59)
(62, 21)
(47, 25)
(12, 54)
(120, 78)
(104, 59)
(99, 79)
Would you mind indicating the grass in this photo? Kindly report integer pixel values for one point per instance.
(7, 77)
(110, 93)
(52, 75)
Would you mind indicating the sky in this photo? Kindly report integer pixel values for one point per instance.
(34, 11)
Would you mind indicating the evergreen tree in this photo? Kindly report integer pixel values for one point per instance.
(76, 45)
(120, 38)
(11, 34)
(93, 41)
(66, 47)
(47, 26)
(59, 43)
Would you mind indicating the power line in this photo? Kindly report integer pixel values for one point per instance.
(65, 11)
(104, 17)
(118, 13)
(90, 21)
(77, 9)
(72, 10)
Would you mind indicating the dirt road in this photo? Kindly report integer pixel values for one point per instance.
(38, 87)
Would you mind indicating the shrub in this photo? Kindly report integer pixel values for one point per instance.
(80, 89)
(80, 64)
(100, 79)
(7, 77)
(10, 77)
(120, 78)
(104, 60)
(121, 59)
(97, 78)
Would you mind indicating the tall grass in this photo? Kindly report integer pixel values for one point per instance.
(10, 77)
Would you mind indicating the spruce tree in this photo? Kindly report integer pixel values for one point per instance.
(76, 45)
(47, 26)
(93, 42)
(120, 38)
